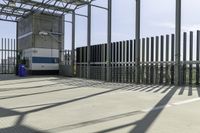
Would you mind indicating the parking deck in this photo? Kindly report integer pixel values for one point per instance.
(71, 105)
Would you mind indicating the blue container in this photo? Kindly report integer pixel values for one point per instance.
(22, 70)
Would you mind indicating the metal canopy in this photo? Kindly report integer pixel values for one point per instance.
(12, 10)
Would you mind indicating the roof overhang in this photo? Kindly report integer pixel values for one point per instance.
(13, 10)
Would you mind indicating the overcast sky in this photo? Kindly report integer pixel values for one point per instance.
(157, 17)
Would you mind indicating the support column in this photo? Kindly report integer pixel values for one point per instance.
(17, 50)
(61, 43)
(109, 40)
(73, 43)
(88, 40)
(137, 37)
(178, 42)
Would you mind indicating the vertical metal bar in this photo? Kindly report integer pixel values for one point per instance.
(109, 40)
(102, 60)
(127, 61)
(184, 56)
(98, 68)
(111, 60)
(172, 57)
(2, 55)
(8, 55)
(197, 54)
(178, 42)
(143, 59)
(105, 62)
(88, 40)
(131, 61)
(81, 61)
(11, 49)
(167, 59)
(5, 43)
(85, 62)
(118, 60)
(161, 59)
(191, 58)
(157, 59)
(147, 60)
(114, 61)
(152, 59)
(77, 61)
(123, 60)
(73, 43)
(15, 56)
(96, 60)
(134, 68)
(92, 60)
(99, 65)
(83, 65)
(17, 48)
(137, 37)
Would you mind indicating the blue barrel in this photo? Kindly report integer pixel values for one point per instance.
(22, 70)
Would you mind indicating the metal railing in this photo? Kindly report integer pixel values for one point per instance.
(8, 56)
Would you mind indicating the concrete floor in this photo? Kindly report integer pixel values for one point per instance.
(70, 105)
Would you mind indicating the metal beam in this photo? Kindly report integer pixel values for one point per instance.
(178, 42)
(88, 40)
(100, 7)
(7, 20)
(109, 39)
(44, 5)
(137, 37)
(10, 14)
(14, 7)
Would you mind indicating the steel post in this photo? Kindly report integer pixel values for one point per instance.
(178, 42)
(109, 35)
(88, 40)
(137, 37)
(73, 43)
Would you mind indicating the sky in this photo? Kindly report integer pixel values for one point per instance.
(157, 18)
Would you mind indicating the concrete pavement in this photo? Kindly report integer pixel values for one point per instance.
(70, 105)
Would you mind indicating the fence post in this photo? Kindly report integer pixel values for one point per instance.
(197, 65)
(127, 62)
(124, 60)
(152, 59)
(191, 58)
(172, 57)
(5, 43)
(147, 60)
(131, 60)
(143, 58)
(157, 55)
(167, 59)
(184, 57)
(178, 42)
(161, 59)
(134, 68)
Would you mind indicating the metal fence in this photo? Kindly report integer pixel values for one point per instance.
(7, 56)
(67, 57)
(157, 62)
